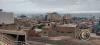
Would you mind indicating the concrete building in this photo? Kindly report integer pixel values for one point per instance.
(6, 17)
(67, 18)
(53, 16)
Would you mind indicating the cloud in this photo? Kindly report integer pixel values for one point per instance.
(41, 6)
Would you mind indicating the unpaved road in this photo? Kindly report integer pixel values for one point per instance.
(59, 39)
(65, 40)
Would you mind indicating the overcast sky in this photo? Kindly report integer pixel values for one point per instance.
(42, 6)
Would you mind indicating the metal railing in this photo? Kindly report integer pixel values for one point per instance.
(5, 39)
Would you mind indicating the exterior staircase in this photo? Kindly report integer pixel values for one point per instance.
(5, 40)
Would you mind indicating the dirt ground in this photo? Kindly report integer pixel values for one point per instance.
(62, 39)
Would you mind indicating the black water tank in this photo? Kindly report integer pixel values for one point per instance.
(0, 9)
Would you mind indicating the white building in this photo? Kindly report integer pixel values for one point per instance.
(6, 17)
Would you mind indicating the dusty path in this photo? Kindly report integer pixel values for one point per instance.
(64, 40)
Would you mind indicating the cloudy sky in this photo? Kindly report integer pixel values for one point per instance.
(42, 6)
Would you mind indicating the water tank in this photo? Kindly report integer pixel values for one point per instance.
(1, 10)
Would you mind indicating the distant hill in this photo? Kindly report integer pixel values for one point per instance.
(97, 15)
